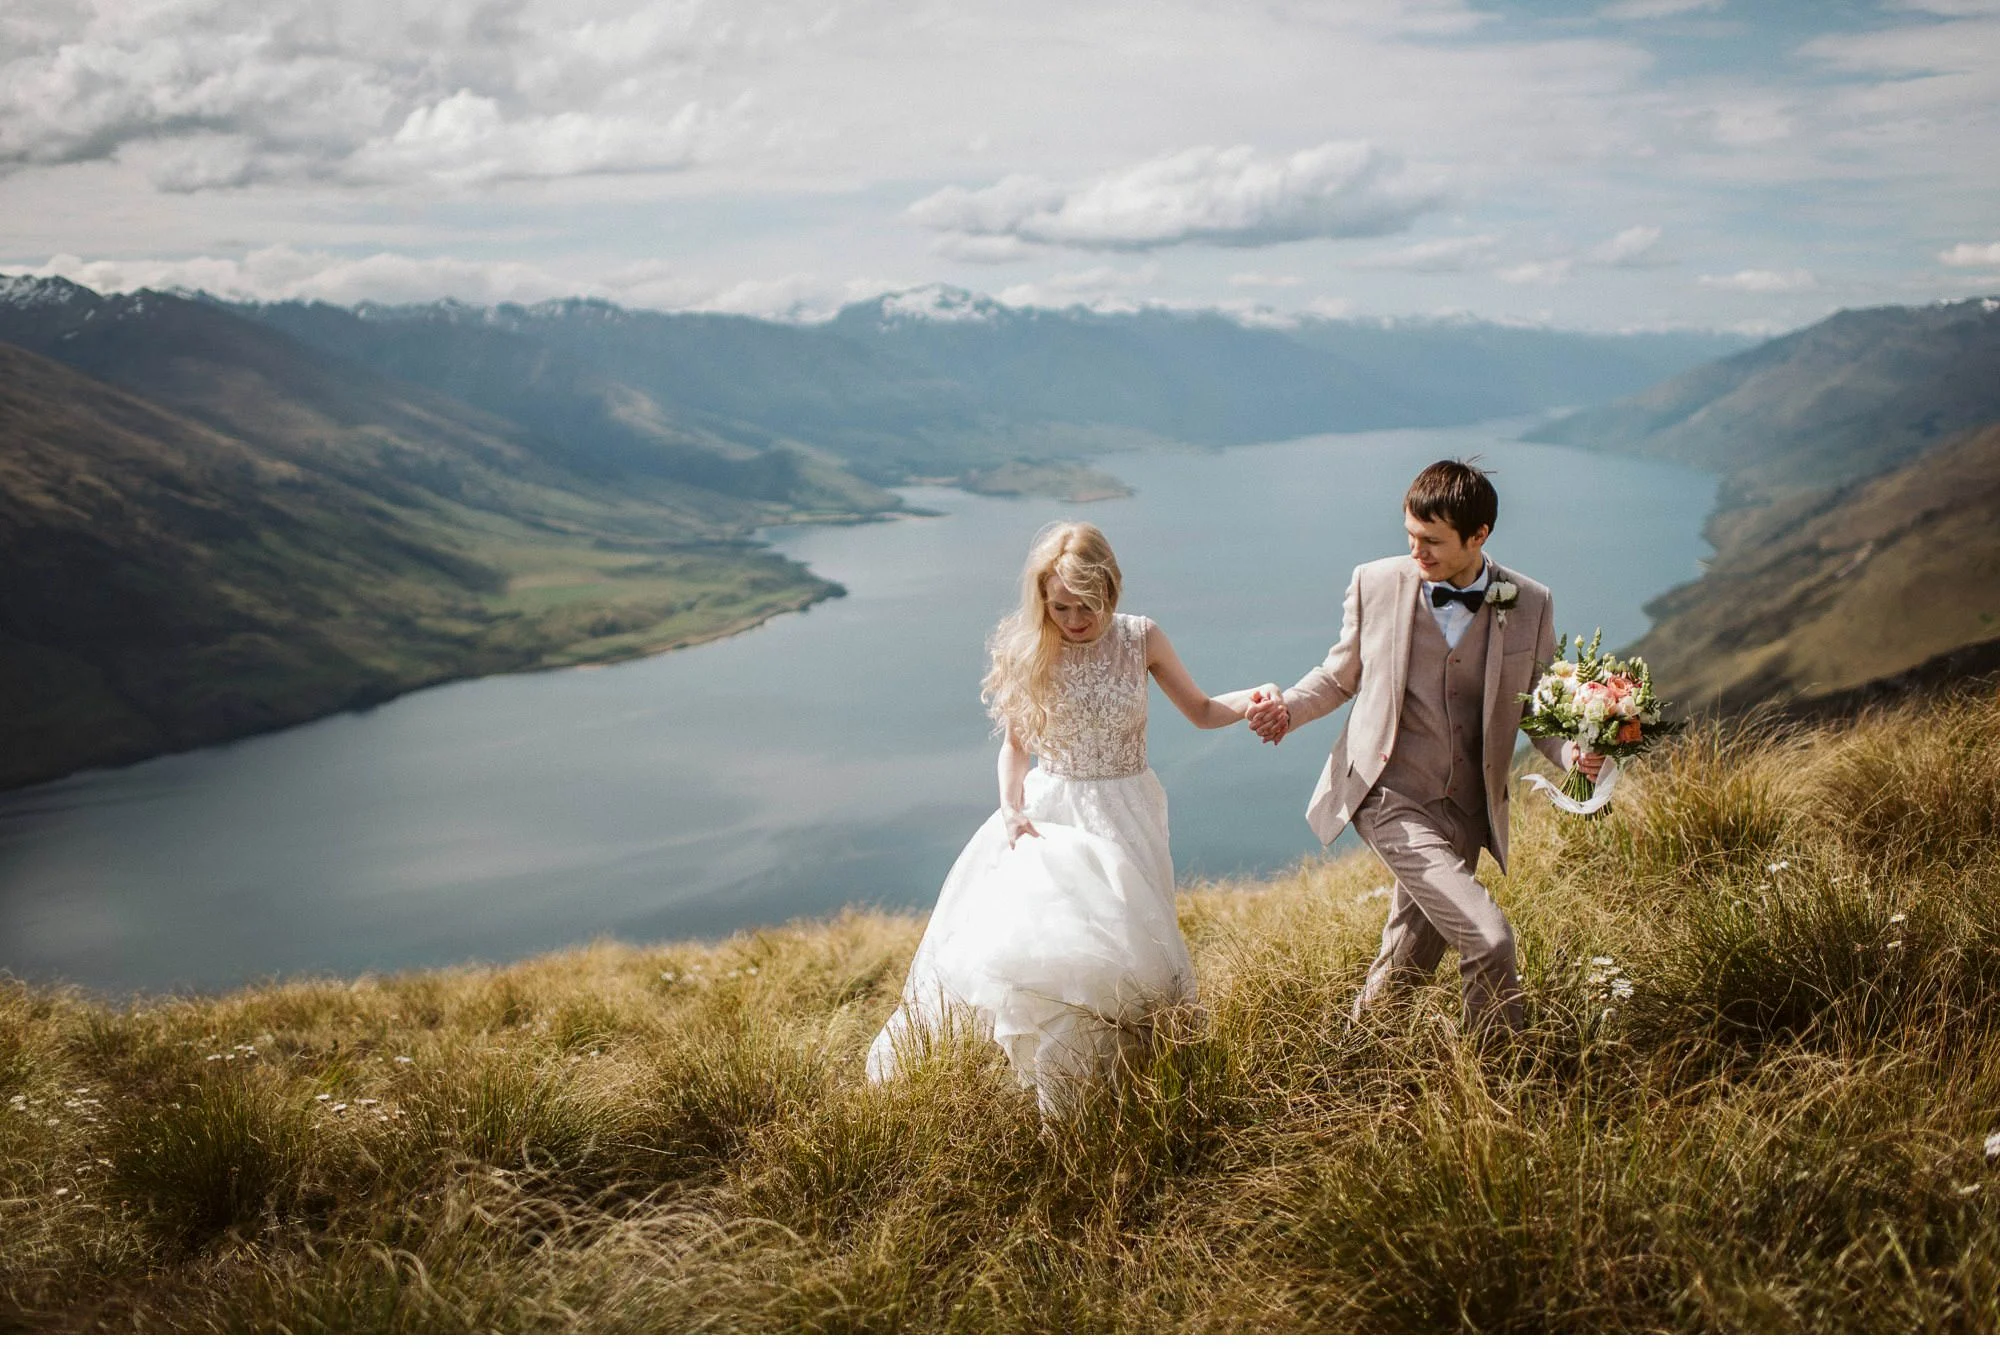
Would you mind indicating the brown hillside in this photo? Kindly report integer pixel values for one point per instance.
(1840, 588)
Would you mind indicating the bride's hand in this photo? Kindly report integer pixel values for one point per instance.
(1018, 824)
(1268, 716)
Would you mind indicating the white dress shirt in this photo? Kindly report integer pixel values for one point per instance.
(1454, 618)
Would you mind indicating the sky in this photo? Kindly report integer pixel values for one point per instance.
(1749, 165)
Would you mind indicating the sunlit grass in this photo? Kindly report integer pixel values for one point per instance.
(1756, 1093)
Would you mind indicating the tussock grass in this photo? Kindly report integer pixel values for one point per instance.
(1762, 1060)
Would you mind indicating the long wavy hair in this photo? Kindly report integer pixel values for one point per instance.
(1024, 648)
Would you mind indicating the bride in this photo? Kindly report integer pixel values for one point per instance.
(1054, 934)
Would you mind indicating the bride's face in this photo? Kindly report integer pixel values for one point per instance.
(1077, 621)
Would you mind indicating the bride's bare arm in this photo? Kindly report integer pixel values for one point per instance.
(1014, 764)
(1224, 709)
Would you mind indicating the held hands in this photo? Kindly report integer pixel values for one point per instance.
(1018, 824)
(1268, 716)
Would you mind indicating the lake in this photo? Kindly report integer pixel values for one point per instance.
(838, 756)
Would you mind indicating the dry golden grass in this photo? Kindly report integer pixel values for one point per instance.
(1778, 1124)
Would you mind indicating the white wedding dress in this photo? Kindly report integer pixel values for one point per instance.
(1060, 947)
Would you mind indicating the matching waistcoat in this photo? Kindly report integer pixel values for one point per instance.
(1441, 732)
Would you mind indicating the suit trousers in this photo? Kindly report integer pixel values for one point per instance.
(1433, 850)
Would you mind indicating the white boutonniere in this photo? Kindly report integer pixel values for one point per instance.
(1501, 597)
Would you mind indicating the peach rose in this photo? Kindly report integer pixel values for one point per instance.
(1630, 732)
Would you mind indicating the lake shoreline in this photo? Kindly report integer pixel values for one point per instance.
(369, 697)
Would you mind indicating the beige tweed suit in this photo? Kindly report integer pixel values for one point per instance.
(1421, 768)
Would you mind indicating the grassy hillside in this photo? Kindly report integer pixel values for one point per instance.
(1755, 1094)
(165, 583)
(1843, 587)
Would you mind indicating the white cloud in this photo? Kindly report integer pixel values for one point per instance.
(1971, 255)
(1329, 307)
(1637, 246)
(1759, 282)
(985, 249)
(1656, 9)
(1256, 313)
(1546, 272)
(466, 139)
(1751, 121)
(1103, 288)
(1956, 9)
(226, 93)
(283, 273)
(1281, 281)
(1232, 197)
(1436, 255)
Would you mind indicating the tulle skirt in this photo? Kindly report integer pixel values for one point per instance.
(1057, 949)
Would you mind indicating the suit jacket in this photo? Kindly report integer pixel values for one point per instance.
(1370, 666)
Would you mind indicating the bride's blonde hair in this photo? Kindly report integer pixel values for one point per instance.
(1025, 646)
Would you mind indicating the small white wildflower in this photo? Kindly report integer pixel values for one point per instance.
(213, 1057)
(340, 1107)
(404, 1058)
(1993, 1147)
(1778, 866)
(62, 1191)
(1894, 945)
(668, 976)
(1899, 918)
(1602, 960)
(1969, 1189)
(752, 970)
(1621, 988)
(246, 1049)
(366, 1100)
(594, 1053)
(324, 1096)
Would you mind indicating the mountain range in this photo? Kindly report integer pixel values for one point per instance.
(1858, 534)
(933, 381)
(221, 518)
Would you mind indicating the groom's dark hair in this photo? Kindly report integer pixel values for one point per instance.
(1456, 493)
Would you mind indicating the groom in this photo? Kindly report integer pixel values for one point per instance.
(1435, 650)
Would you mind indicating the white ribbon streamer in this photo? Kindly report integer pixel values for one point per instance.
(1600, 796)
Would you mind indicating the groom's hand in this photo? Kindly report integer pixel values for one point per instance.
(1268, 716)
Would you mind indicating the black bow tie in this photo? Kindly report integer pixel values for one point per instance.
(1442, 595)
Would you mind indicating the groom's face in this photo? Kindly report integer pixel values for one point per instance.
(1438, 550)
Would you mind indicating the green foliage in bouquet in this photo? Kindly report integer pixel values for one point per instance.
(1599, 701)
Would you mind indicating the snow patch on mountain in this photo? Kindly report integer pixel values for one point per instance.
(937, 304)
(41, 292)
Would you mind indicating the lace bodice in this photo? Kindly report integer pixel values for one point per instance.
(1097, 724)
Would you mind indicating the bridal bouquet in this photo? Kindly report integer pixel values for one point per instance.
(1601, 703)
